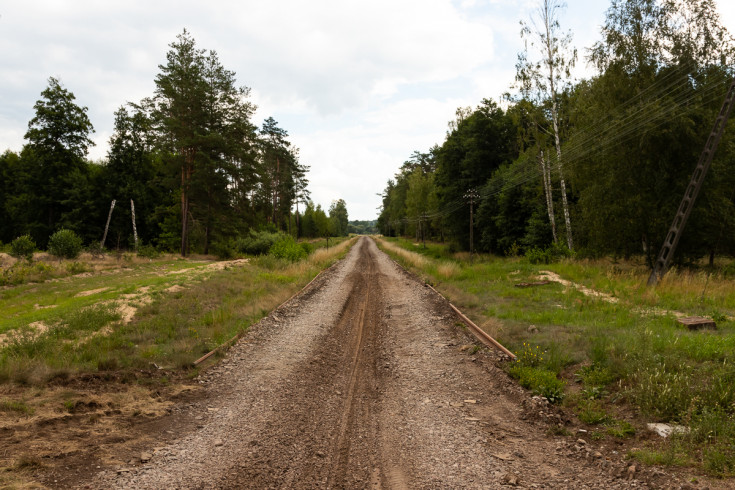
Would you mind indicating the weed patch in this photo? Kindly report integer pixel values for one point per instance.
(540, 381)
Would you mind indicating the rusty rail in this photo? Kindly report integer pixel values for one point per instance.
(481, 335)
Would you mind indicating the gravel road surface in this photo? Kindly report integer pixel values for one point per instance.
(365, 380)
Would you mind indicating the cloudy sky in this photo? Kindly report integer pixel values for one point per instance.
(359, 85)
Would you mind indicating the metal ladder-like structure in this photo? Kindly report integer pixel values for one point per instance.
(695, 184)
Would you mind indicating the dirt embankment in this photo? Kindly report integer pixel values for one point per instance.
(365, 381)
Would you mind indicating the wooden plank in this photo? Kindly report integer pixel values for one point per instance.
(697, 323)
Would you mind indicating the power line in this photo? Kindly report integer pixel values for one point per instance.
(671, 92)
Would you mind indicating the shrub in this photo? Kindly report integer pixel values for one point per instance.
(148, 252)
(65, 244)
(77, 267)
(23, 247)
(537, 255)
(257, 243)
(308, 247)
(548, 255)
(287, 248)
(223, 250)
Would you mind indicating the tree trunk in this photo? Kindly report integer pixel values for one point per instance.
(550, 40)
(546, 171)
(186, 171)
(564, 202)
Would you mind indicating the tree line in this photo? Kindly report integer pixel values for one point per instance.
(597, 165)
(199, 172)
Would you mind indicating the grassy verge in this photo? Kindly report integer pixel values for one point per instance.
(618, 363)
(182, 309)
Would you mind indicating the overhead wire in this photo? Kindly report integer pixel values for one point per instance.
(618, 126)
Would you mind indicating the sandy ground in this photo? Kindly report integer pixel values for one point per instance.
(365, 380)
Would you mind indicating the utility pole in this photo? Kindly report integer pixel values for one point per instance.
(135, 230)
(107, 226)
(695, 184)
(472, 195)
(423, 229)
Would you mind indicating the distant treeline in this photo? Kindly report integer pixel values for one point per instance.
(199, 172)
(598, 165)
(364, 227)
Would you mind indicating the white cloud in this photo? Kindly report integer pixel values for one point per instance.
(359, 85)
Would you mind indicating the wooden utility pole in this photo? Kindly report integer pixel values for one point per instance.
(472, 195)
(695, 184)
(107, 226)
(135, 230)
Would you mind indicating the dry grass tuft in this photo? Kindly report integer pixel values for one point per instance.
(447, 270)
(324, 255)
(414, 259)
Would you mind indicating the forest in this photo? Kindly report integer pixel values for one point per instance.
(594, 167)
(187, 169)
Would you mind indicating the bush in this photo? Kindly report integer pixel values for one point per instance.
(77, 267)
(65, 244)
(223, 250)
(23, 247)
(257, 243)
(308, 247)
(148, 252)
(548, 255)
(287, 248)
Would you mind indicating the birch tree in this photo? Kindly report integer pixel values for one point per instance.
(547, 75)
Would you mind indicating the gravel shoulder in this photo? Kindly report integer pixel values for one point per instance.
(366, 380)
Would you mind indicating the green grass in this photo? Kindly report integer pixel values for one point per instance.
(16, 406)
(625, 353)
(170, 329)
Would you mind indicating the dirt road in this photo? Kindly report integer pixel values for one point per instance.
(365, 381)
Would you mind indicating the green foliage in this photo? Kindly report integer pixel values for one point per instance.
(719, 460)
(595, 376)
(540, 381)
(308, 247)
(592, 413)
(148, 251)
(257, 242)
(21, 273)
(65, 244)
(286, 248)
(621, 429)
(16, 406)
(661, 391)
(77, 267)
(338, 218)
(549, 255)
(223, 249)
(23, 247)
(530, 356)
